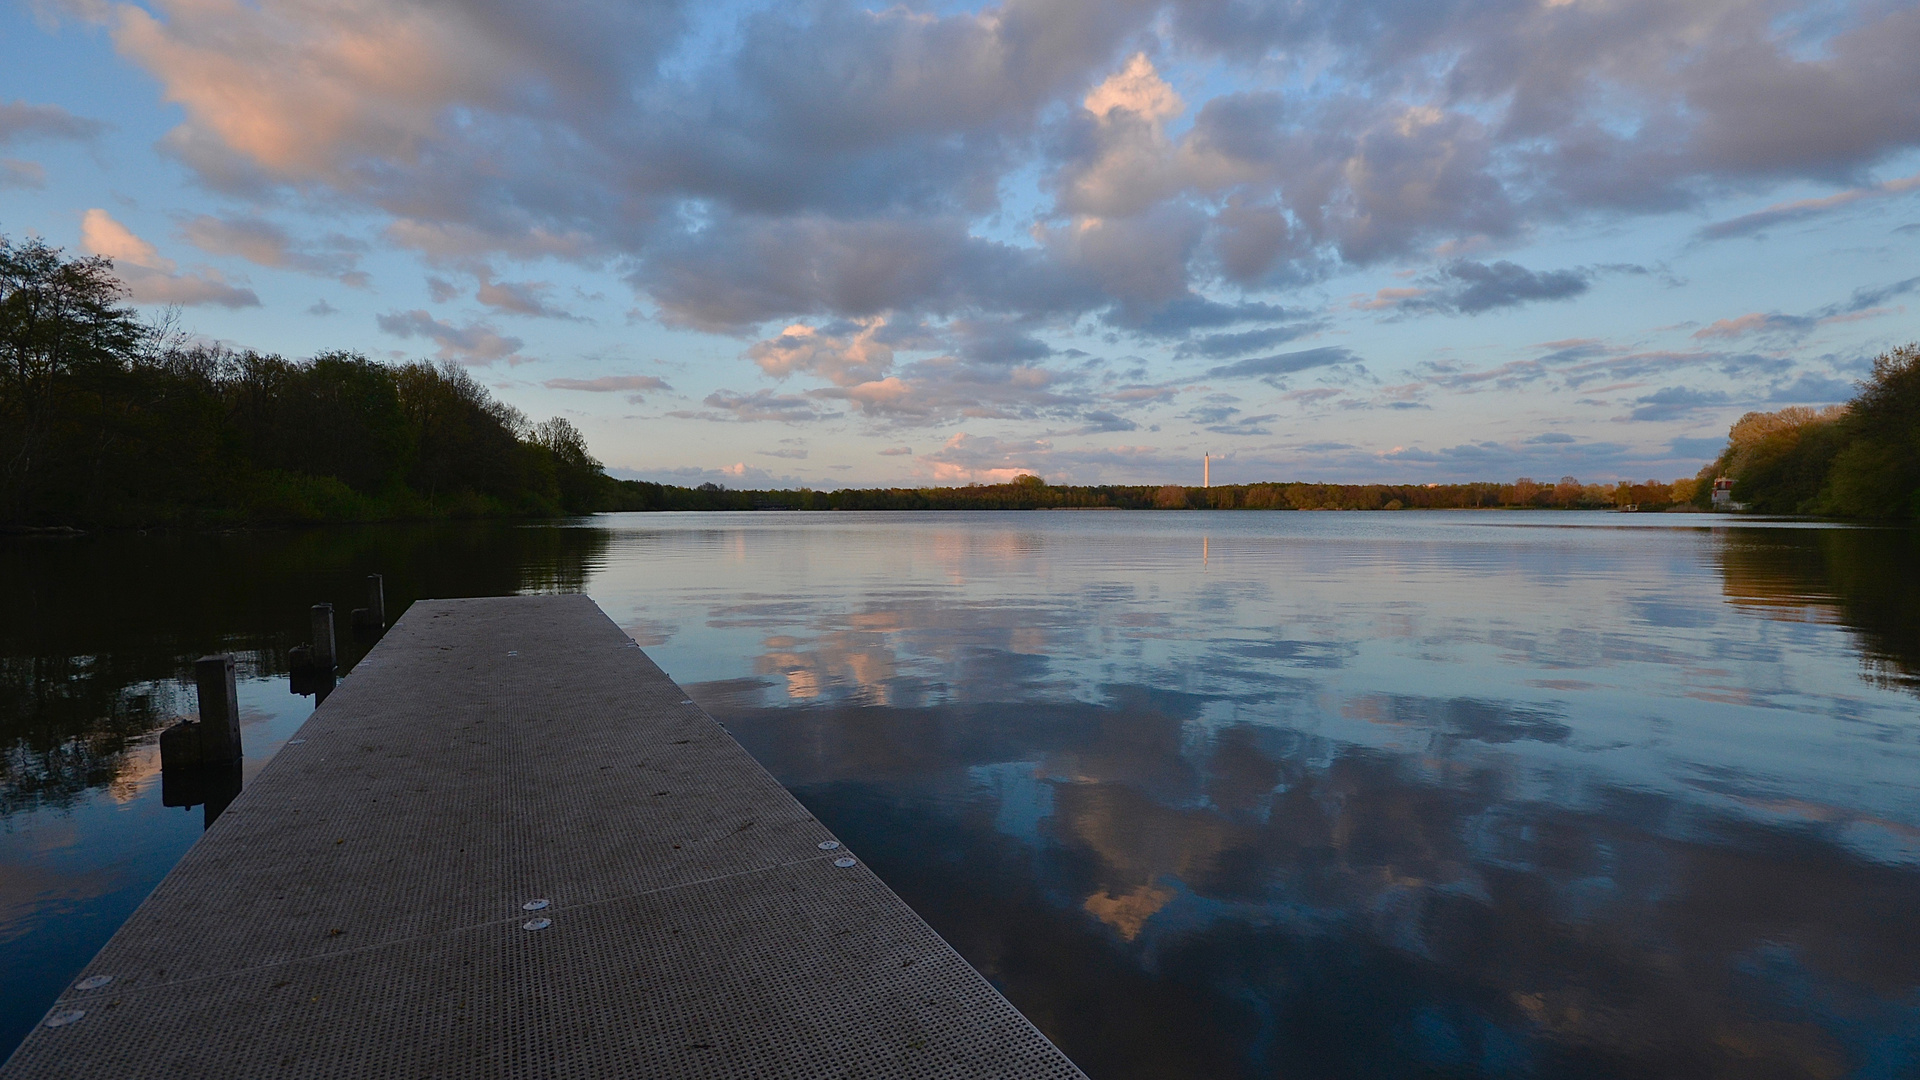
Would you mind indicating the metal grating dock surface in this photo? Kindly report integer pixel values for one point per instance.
(358, 910)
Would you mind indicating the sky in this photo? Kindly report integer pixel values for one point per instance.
(836, 245)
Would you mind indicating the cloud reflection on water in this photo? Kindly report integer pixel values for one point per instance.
(1355, 798)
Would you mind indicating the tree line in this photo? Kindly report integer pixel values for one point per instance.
(1029, 492)
(1858, 460)
(108, 420)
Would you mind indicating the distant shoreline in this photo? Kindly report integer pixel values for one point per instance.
(55, 532)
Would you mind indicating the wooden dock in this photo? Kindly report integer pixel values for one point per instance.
(509, 846)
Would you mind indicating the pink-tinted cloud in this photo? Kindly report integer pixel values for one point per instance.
(150, 277)
(1802, 209)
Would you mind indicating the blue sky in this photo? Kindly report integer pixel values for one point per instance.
(1396, 240)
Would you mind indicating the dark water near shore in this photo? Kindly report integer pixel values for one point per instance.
(1469, 794)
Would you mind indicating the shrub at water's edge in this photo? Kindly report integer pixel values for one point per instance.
(1859, 460)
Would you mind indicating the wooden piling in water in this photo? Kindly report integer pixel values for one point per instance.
(214, 737)
(323, 653)
(219, 707)
(377, 599)
(370, 620)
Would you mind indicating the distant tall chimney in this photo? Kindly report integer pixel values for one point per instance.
(1206, 470)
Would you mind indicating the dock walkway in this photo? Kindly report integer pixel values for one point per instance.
(368, 906)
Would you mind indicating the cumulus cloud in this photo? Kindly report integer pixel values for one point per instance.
(20, 121)
(475, 343)
(836, 162)
(1214, 346)
(1126, 162)
(1802, 209)
(1243, 425)
(1756, 323)
(964, 369)
(1285, 363)
(1869, 298)
(265, 244)
(1865, 303)
(759, 405)
(734, 273)
(151, 278)
(1100, 422)
(520, 298)
(21, 174)
(985, 459)
(1813, 388)
(636, 387)
(1674, 402)
(1704, 447)
(848, 359)
(1465, 287)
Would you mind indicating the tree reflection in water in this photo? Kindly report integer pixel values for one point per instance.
(99, 634)
(1867, 579)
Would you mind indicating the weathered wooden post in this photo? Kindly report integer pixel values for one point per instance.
(213, 739)
(323, 638)
(219, 708)
(370, 620)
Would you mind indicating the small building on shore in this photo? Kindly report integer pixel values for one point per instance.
(1723, 494)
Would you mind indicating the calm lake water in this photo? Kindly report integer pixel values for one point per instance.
(1205, 794)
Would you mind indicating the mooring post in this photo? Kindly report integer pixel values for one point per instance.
(323, 637)
(369, 621)
(213, 739)
(219, 708)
